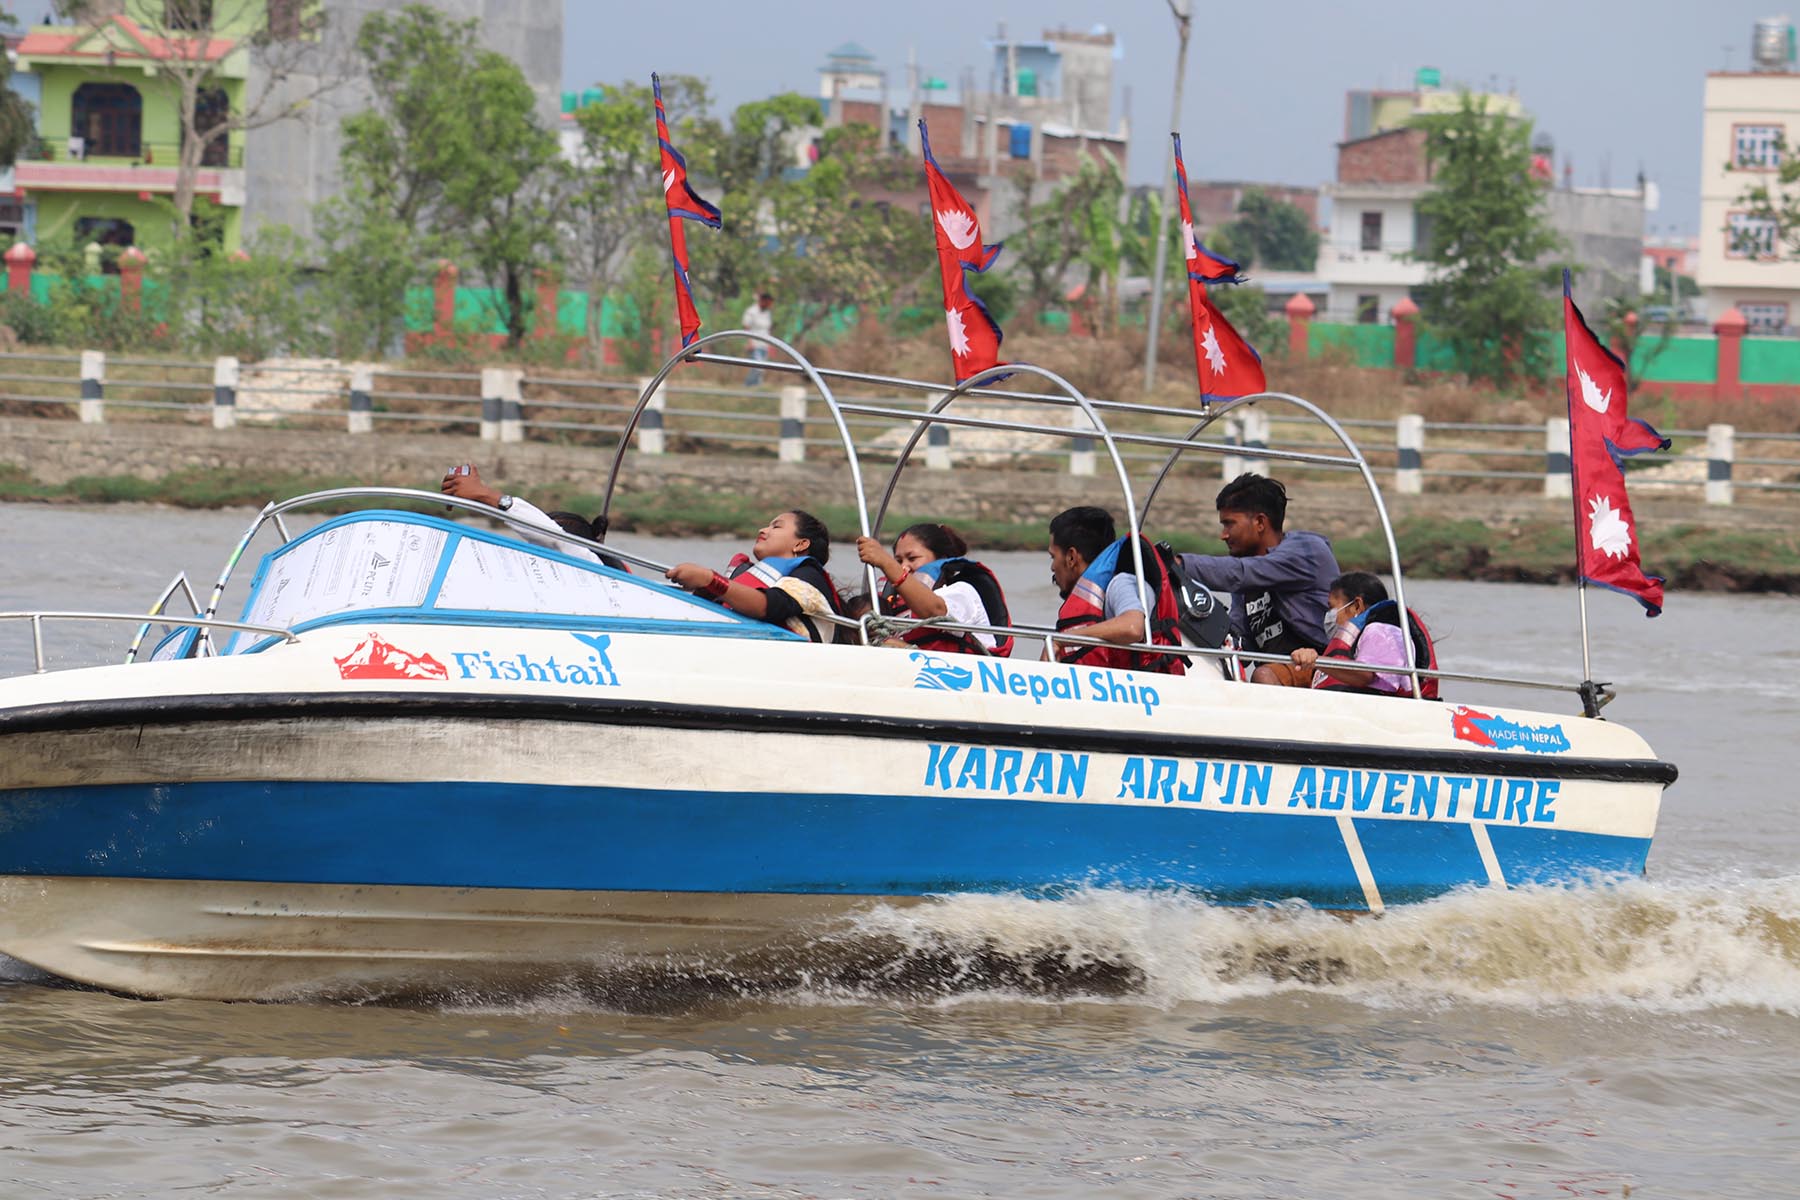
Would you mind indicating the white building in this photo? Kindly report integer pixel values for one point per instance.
(1739, 262)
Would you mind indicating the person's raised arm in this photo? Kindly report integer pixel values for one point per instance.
(1288, 565)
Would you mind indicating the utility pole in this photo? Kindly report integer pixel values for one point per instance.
(1183, 11)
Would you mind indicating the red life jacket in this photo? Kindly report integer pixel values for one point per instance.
(1424, 654)
(1086, 605)
(943, 572)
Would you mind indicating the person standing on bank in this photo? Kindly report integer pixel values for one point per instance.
(1278, 579)
(759, 318)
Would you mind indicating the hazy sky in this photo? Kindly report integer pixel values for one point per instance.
(1617, 85)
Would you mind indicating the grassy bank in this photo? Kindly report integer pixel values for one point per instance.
(1691, 557)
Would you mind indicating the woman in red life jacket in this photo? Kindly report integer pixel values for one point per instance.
(1362, 626)
(784, 583)
(1093, 570)
(929, 576)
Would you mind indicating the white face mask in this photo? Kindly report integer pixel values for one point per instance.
(1331, 620)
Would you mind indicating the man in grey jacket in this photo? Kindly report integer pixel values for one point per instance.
(1277, 580)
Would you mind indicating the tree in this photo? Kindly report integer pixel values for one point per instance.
(451, 160)
(205, 43)
(1271, 232)
(1488, 243)
(18, 120)
(1771, 225)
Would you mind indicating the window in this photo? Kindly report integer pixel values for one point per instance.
(109, 118)
(196, 15)
(1748, 236)
(211, 109)
(1765, 318)
(111, 233)
(284, 19)
(1756, 147)
(1368, 308)
(1371, 231)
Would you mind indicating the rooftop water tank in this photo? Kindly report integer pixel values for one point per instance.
(1772, 45)
(1427, 77)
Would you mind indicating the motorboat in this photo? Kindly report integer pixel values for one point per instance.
(428, 755)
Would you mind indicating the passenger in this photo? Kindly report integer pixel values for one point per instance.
(1093, 570)
(465, 481)
(1278, 581)
(1365, 629)
(784, 584)
(929, 576)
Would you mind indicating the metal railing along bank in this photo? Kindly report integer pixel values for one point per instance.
(506, 404)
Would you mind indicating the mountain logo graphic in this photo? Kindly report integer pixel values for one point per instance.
(376, 659)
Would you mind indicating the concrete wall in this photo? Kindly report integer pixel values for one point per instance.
(1605, 235)
(292, 165)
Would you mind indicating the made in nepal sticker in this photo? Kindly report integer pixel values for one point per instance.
(1498, 733)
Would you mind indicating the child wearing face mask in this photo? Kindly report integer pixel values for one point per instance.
(1352, 638)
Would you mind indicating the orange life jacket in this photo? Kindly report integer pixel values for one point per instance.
(943, 572)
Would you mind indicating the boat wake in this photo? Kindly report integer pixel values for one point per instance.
(1656, 946)
(1663, 947)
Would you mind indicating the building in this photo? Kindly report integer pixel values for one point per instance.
(292, 165)
(109, 127)
(1046, 105)
(104, 164)
(1740, 264)
(1367, 256)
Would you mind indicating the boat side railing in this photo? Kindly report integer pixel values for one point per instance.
(37, 620)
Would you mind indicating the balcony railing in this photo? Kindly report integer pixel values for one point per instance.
(166, 155)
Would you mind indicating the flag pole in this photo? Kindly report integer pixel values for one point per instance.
(1589, 700)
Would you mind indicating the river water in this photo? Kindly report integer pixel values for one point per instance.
(1640, 1040)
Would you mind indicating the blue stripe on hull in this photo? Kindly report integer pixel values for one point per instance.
(605, 839)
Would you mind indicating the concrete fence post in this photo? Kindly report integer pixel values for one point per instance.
(1559, 482)
(1256, 437)
(1081, 449)
(1721, 451)
(792, 447)
(362, 400)
(512, 404)
(1409, 455)
(1406, 333)
(491, 386)
(225, 389)
(650, 439)
(93, 387)
(937, 439)
(1232, 465)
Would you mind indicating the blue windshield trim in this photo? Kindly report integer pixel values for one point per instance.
(756, 631)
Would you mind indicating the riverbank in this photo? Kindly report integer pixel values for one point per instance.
(1453, 537)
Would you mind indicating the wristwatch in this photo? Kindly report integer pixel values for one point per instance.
(505, 503)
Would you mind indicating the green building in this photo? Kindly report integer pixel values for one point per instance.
(107, 160)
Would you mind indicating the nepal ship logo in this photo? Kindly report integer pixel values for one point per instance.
(1498, 733)
(935, 674)
(376, 659)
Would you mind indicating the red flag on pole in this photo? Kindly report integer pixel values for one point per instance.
(684, 204)
(1202, 264)
(975, 337)
(1601, 433)
(1227, 365)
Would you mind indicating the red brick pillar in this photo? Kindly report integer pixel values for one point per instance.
(1299, 314)
(131, 278)
(443, 302)
(20, 260)
(549, 292)
(1730, 331)
(1406, 334)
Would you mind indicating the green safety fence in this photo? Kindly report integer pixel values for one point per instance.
(1369, 345)
(1680, 360)
(1770, 360)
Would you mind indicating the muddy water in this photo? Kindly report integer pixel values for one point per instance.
(1639, 1040)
